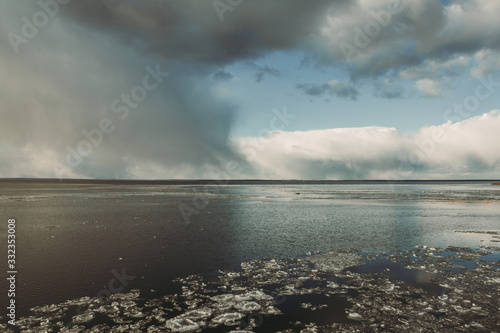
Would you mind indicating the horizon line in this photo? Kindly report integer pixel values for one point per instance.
(219, 180)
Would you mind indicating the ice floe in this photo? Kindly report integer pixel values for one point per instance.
(426, 289)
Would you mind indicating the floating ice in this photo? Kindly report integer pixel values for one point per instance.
(354, 316)
(226, 318)
(247, 306)
(259, 295)
(335, 261)
(181, 325)
(83, 318)
(332, 284)
(223, 298)
(373, 301)
(198, 314)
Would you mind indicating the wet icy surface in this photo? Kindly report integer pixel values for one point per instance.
(74, 234)
(423, 290)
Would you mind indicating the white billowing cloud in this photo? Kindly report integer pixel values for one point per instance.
(429, 88)
(469, 148)
(470, 141)
(321, 153)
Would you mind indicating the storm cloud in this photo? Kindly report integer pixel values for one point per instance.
(67, 80)
(192, 30)
(125, 89)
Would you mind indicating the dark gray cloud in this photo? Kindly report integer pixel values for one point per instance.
(262, 72)
(193, 31)
(222, 75)
(312, 89)
(340, 89)
(368, 39)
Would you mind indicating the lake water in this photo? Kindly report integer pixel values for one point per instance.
(70, 236)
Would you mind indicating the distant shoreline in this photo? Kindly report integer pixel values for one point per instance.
(89, 182)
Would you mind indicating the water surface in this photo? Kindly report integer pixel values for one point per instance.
(72, 235)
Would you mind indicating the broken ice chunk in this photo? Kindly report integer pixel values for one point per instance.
(226, 318)
(247, 306)
(181, 325)
(354, 316)
(83, 318)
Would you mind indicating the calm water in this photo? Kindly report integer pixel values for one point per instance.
(71, 236)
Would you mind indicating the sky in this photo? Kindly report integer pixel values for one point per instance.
(240, 89)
